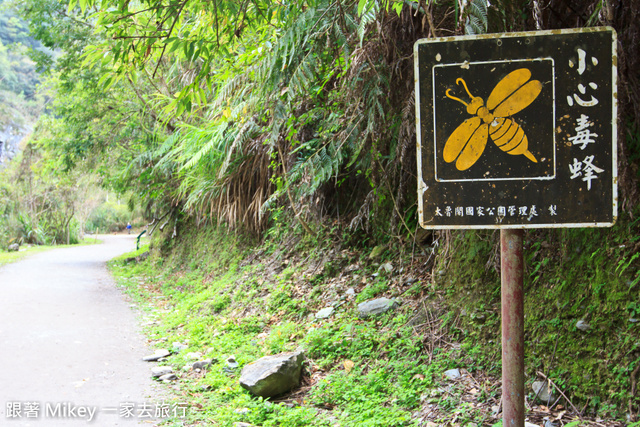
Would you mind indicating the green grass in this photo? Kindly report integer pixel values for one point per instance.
(222, 306)
(9, 257)
(224, 295)
(570, 274)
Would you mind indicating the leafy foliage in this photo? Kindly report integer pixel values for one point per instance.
(17, 72)
(476, 19)
(571, 275)
(231, 111)
(258, 113)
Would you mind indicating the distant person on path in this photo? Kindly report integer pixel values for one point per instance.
(128, 228)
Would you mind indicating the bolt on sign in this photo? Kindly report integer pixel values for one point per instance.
(517, 130)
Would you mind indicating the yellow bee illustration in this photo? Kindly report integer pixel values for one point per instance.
(512, 94)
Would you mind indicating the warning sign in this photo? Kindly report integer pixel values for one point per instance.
(517, 130)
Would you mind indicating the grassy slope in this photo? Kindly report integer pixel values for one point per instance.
(571, 275)
(7, 257)
(226, 295)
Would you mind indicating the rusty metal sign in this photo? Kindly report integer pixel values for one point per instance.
(517, 130)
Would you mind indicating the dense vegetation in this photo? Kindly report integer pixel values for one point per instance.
(18, 72)
(297, 118)
(40, 203)
(231, 112)
(224, 294)
(18, 76)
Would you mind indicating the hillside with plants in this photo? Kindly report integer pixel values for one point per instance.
(42, 201)
(271, 148)
(19, 107)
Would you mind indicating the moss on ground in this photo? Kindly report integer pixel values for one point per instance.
(570, 275)
(227, 294)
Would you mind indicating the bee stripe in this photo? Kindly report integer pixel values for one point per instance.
(515, 142)
(501, 127)
(505, 137)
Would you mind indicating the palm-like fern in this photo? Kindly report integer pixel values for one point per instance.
(476, 17)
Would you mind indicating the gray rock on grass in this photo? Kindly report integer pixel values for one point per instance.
(168, 377)
(231, 365)
(273, 375)
(159, 354)
(376, 306)
(543, 391)
(325, 313)
(387, 267)
(178, 346)
(158, 371)
(583, 326)
(202, 364)
(453, 374)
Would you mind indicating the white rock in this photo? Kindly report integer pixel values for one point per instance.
(453, 374)
(325, 313)
(168, 377)
(158, 371)
(272, 375)
(583, 326)
(159, 354)
(543, 391)
(386, 267)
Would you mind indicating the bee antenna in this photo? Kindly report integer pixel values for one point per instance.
(459, 80)
(454, 98)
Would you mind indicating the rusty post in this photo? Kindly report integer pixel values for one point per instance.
(512, 327)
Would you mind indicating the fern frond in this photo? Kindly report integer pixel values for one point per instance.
(476, 21)
(246, 132)
(366, 18)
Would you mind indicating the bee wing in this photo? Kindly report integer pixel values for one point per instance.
(513, 93)
(466, 143)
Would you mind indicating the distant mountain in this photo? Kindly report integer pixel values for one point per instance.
(10, 138)
(17, 72)
(18, 82)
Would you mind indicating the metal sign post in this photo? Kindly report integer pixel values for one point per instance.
(516, 131)
(512, 267)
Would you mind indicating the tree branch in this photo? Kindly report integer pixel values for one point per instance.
(184, 3)
(76, 20)
(153, 114)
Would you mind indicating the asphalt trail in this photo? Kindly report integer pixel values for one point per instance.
(69, 340)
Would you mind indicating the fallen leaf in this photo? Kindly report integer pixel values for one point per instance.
(418, 377)
(560, 415)
(348, 365)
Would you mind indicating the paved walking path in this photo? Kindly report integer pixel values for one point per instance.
(69, 341)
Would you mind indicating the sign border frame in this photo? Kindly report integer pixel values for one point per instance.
(422, 187)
